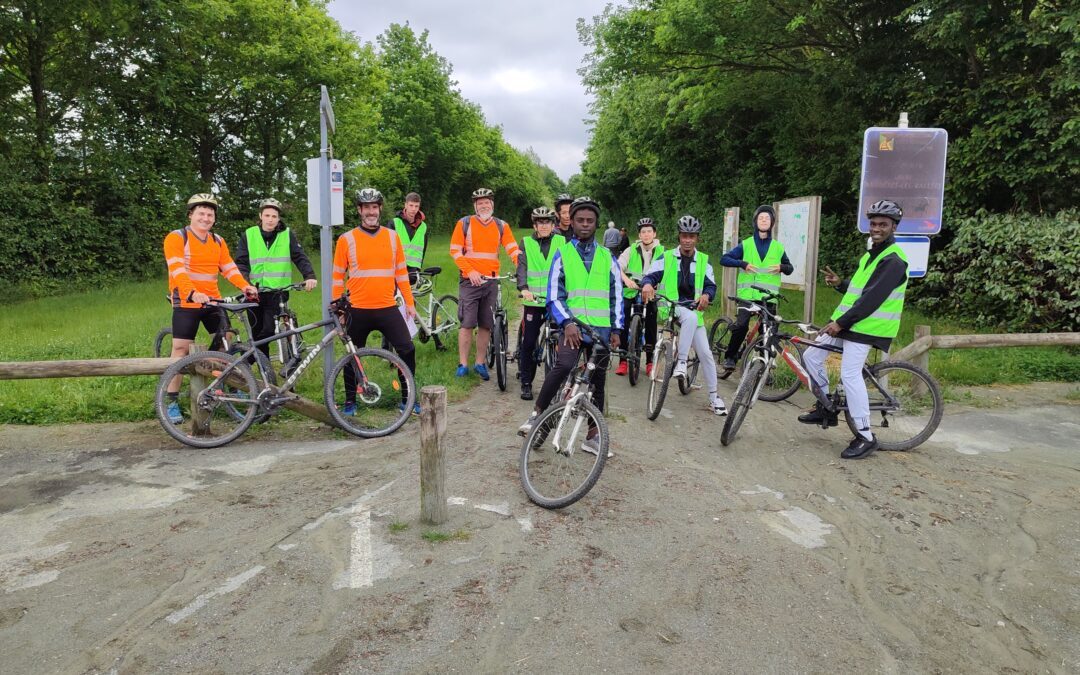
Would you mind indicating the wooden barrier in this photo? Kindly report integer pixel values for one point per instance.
(432, 455)
(925, 342)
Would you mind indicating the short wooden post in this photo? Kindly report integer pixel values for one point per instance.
(200, 419)
(921, 360)
(432, 455)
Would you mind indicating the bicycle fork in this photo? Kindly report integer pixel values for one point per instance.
(570, 405)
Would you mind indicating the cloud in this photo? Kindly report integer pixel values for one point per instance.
(517, 61)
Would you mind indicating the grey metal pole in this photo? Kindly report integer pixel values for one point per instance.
(326, 230)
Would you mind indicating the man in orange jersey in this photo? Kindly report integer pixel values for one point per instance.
(474, 246)
(195, 257)
(374, 258)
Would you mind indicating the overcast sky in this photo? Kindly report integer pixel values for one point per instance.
(517, 61)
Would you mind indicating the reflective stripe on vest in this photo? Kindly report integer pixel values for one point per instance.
(636, 265)
(670, 280)
(885, 321)
(746, 280)
(470, 250)
(588, 291)
(270, 267)
(537, 266)
(195, 276)
(414, 247)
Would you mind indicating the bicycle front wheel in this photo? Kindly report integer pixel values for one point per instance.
(214, 412)
(633, 349)
(163, 342)
(905, 405)
(370, 393)
(743, 400)
(720, 336)
(693, 363)
(663, 366)
(780, 380)
(498, 343)
(444, 318)
(556, 470)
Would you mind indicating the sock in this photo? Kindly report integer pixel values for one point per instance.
(172, 396)
(864, 428)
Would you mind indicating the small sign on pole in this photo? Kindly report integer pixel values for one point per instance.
(917, 249)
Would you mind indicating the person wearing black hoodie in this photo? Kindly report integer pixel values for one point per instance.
(411, 228)
(256, 265)
(760, 260)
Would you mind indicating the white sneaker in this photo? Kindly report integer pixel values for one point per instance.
(718, 407)
(524, 429)
(680, 371)
(592, 446)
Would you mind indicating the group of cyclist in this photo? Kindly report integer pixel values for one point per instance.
(563, 274)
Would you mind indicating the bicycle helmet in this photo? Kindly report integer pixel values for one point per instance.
(203, 199)
(270, 202)
(564, 198)
(368, 196)
(646, 222)
(543, 213)
(689, 225)
(887, 208)
(483, 193)
(584, 203)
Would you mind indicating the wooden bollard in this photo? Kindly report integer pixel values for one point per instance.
(200, 419)
(921, 360)
(432, 456)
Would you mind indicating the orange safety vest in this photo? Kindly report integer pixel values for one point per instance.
(474, 245)
(376, 265)
(194, 266)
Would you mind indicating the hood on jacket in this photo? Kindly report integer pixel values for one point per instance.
(764, 208)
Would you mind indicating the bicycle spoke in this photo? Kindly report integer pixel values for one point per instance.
(221, 410)
(555, 470)
(370, 393)
(905, 405)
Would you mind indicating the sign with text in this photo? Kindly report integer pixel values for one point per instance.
(908, 167)
(337, 192)
(917, 250)
(797, 223)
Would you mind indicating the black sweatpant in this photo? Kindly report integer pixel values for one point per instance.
(389, 322)
(532, 320)
(565, 362)
(739, 330)
(263, 317)
(650, 326)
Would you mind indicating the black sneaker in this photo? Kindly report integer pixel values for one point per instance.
(818, 415)
(526, 391)
(860, 447)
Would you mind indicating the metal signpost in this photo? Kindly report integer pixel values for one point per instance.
(326, 204)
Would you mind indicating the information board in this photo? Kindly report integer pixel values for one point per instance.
(797, 224)
(917, 250)
(908, 167)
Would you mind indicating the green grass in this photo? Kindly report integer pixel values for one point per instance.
(436, 537)
(397, 527)
(1073, 395)
(121, 320)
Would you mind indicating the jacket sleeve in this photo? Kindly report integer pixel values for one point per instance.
(709, 287)
(457, 248)
(655, 273)
(615, 296)
(242, 259)
(522, 271)
(890, 273)
(510, 244)
(174, 258)
(341, 263)
(785, 265)
(228, 267)
(299, 258)
(401, 273)
(734, 258)
(556, 291)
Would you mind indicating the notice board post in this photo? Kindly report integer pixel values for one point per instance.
(798, 221)
(730, 274)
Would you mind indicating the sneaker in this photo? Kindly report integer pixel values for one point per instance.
(729, 364)
(524, 429)
(481, 370)
(860, 447)
(718, 407)
(349, 409)
(680, 371)
(415, 407)
(818, 415)
(623, 368)
(648, 370)
(462, 371)
(172, 411)
(526, 391)
(592, 446)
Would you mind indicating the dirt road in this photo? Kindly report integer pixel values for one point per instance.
(122, 552)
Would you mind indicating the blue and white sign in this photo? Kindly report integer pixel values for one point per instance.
(908, 167)
(917, 250)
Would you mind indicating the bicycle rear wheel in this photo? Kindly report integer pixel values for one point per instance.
(905, 404)
(661, 376)
(163, 342)
(693, 363)
(212, 420)
(498, 343)
(720, 336)
(555, 470)
(742, 401)
(444, 321)
(780, 380)
(383, 388)
(633, 349)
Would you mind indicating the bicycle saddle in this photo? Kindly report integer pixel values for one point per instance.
(236, 307)
(431, 271)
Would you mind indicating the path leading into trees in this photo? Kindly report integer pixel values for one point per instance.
(122, 552)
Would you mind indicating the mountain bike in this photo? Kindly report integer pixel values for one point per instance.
(436, 317)
(498, 348)
(906, 397)
(780, 380)
(220, 384)
(547, 341)
(225, 336)
(665, 356)
(635, 337)
(555, 469)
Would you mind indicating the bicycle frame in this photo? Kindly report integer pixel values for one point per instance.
(582, 378)
(797, 365)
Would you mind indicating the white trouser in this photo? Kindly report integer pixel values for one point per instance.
(693, 335)
(851, 365)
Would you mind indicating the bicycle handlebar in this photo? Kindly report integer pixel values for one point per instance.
(498, 277)
(290, 287)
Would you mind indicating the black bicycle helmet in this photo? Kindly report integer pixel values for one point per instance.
(646, 222)
(584, 203)
(483, 193)
(564, 198)
(887, 208)
(689, 225)
(368, 196)
(543, 213)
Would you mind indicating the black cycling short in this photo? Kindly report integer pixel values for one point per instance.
(186, 320)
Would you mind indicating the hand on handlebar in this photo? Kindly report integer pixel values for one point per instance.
(475, 278)
(615, 340)
(201, 298)
(832, 329)
(310, 284)
(572, 335)
(527, 295)
(250, 292)
(631, 284)
(703, 302)
(648, 293)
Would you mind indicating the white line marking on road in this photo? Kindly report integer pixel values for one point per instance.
(802, 527)
(502, 508)
(348, 509)
(762, 490)
(526, 524)
(286, 547)
(361, 564)
(227, 587)
(456, 501)
(31, 580)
